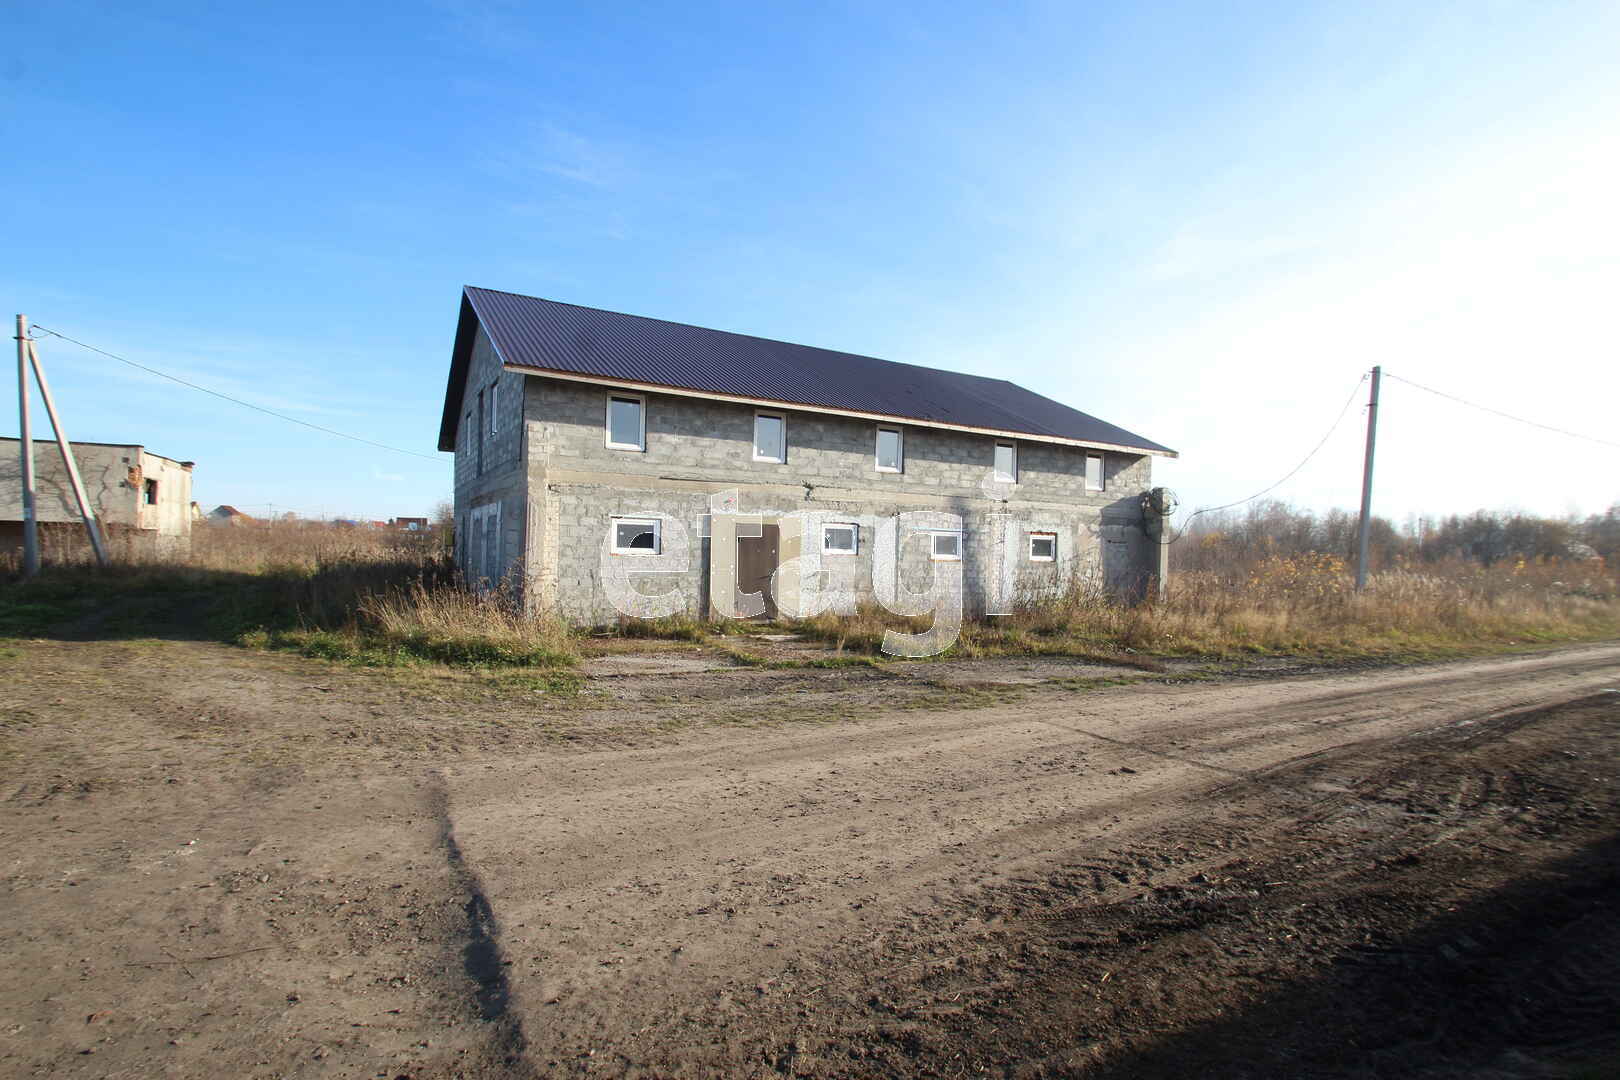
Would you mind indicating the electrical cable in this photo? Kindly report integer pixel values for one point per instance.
(1291, 472)
(233, 400)
(1499, 412)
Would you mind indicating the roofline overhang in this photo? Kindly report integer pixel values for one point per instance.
(455, 387)
(826, 410)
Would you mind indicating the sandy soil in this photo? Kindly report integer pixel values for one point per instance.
(217, 862)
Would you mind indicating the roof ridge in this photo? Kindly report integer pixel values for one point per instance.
(536, 332)
(741, 334)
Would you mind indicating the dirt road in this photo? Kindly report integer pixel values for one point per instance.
(219, 862)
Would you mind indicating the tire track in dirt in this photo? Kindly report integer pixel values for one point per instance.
(656, 888)
(1197, 922)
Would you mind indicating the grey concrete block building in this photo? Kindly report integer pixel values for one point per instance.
(600, 455)
(143, 499)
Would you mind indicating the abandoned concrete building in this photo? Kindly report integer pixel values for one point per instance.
(142, 499)
(594, 448)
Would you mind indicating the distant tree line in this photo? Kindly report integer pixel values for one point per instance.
(1271, 528)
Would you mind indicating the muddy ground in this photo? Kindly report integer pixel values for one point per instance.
(223, 862)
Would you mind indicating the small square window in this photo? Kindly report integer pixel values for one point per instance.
(840, 538)
(770, 438)
(1006, 462)
(1094, 472)
(946, 547)
(626, 423)
(891, 453)
(1042, 547)
(637, 536)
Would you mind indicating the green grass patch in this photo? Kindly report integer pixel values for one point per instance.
(374, 649)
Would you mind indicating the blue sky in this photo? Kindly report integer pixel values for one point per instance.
(1199, 222)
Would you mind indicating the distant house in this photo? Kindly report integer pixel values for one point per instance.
(409, 524)
(142, 499)
(228, 515)
(588, 443)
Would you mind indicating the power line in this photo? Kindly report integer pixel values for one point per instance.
(233, 400)
(1506, 416)
(1337, 420)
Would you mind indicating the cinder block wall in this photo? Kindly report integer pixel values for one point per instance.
(171, 517)
(114, 477)
(490, 466)
(575, 484)
(110, 473)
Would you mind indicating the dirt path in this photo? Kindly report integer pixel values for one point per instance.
(437, 877)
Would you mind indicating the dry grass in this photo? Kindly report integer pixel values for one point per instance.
(1308, 603)
(1298, 605)
(458, 626)
(374, 597)
(360, 595)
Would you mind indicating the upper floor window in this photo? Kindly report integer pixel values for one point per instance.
(494, 407)
(626, 422)
(1094, 472)
(149, 493)
(891, 450)
(1006, 462)
(770, 437)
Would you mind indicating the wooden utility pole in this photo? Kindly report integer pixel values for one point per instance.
(1366, 481)
(26, 442)
(92, 524)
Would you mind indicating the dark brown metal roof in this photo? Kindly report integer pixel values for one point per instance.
(546, 335)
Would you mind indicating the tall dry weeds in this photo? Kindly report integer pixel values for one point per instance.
(1275, 604)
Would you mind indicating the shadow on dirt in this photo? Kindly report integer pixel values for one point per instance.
(1522, 983)
(481, 956)
(86, 603)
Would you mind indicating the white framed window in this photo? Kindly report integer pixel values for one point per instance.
(1043, 547)
(494, 407)
(945, 545)
(626, 422)
(840, 538)
(891, 450)
(1094, 472)
(1005, 464)
(770, 437)
(637, 536)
